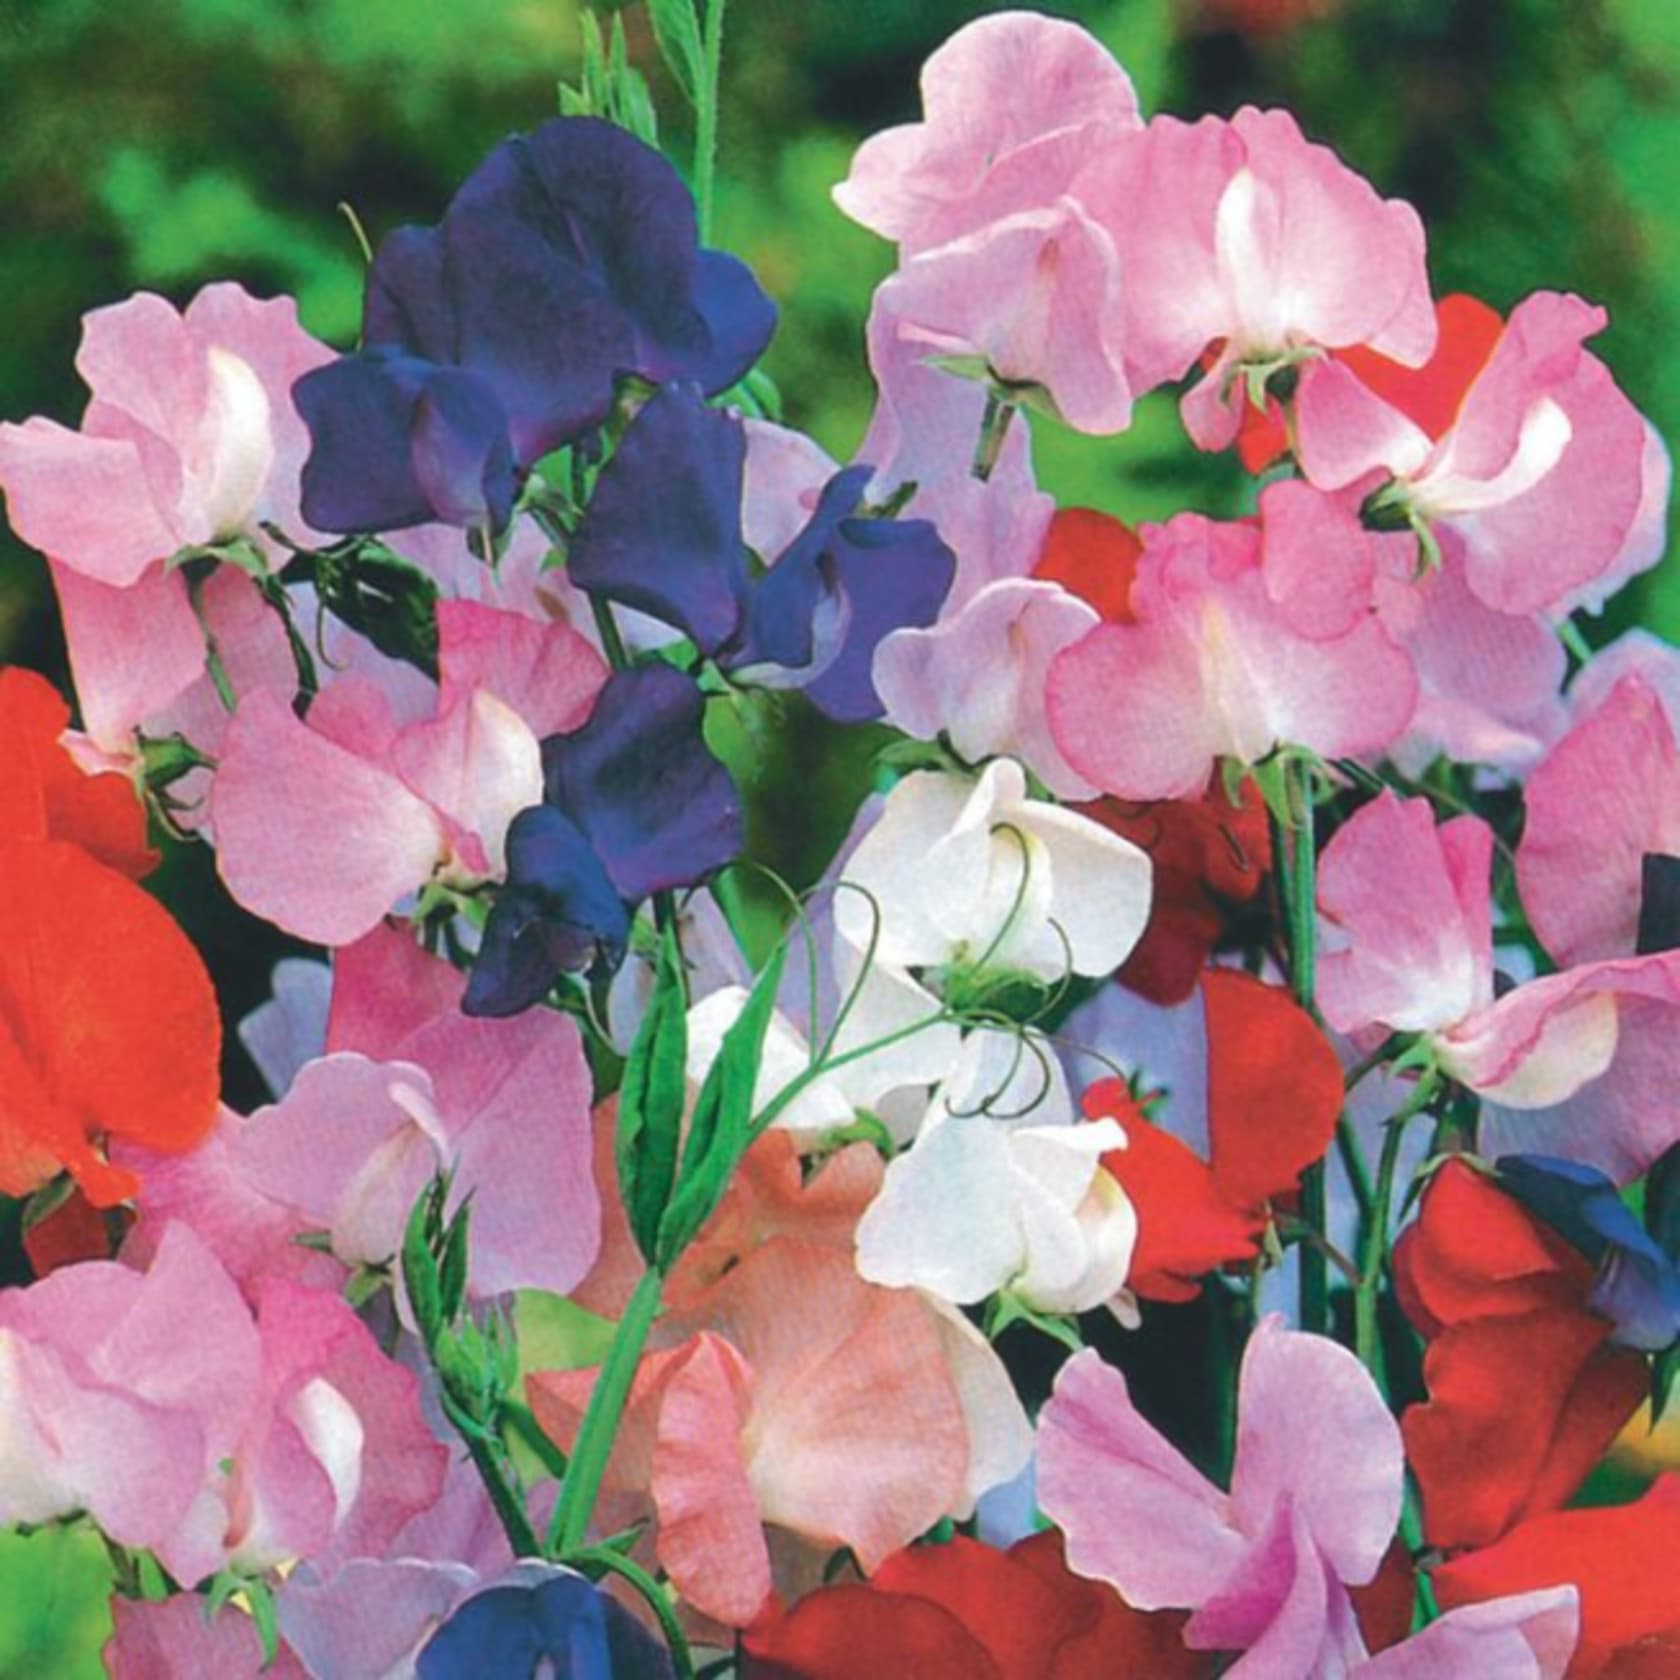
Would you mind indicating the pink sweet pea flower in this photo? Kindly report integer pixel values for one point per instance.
(1606, 795)
(292, 797)
(1245, 638)
(1526, 1636)
(1013, 106)
(408, 1087)
(190, 437)
(1245, 238)
(1314, 1501)
(1548, 475)
(1572, 1064)
(979, 676)
(155, 1402)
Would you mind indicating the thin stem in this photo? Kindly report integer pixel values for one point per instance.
(1355, 1165)
(509, 1508)
(578, 1492)
(994, 428)
(606, 1559)
(612, 643)
(706, 118)
(1569, 633)
(1300, 906)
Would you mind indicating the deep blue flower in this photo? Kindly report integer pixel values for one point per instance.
(663, 534)
(569, 259)
(543, 1619)
(633, 803)
(1638, 1285)
(397, 441)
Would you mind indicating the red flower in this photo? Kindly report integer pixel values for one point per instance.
(1092, 555)
(1621, 1560)
(964, 1611)
(44, 794)
(1209, 855)
(1274, 1096)
(108, 1023)
(1524, 1395)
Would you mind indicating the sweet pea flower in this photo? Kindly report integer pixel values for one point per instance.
(190, 437)
(1002, 1192)
(1013, 106)
(182, 1635)
(1605, 798)
(157, 1402)
(813, 620)
(971, 873)
(1519, 442)
(413, 798)
(108, 1023)
(633, 803)
(1265, 1569)
(1525, 1390)
(1572, 1064)
(979, 677)
(1245, 637)
(568, 259)
(1244, 238)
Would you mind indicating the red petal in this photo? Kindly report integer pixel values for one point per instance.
(1431, 394)
(842, 1632)
(1620, 1558)
(108, 1022)
(1092, 555)
(1274, 1088)
(44, 795)
(72, 1232)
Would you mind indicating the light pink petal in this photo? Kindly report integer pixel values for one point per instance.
(1313, 1431)
(980, 675)
(1000, 1438)
(1345, 431)
(711, 1542)
(385, 989)
(547, 673)
(1528, 1636)
(996, 527)
(178, 1637)
(370, 1617)
(290, 1028)
(1579, 1064)
(1035, 299)
(133, 651)
(1318, 561)
(84, 501)
(290, 808)
(785, 473)
(139, 357)
(1634, 653)
(1607, 793)
(1135, 1512)
(1407, 915)
(997, 86)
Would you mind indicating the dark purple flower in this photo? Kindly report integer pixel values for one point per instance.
(1638, 1285)
(634, 803)
(542, 1619)
(662, 532)
(399, 441)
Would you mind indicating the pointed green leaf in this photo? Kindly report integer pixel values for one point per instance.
(720, 1130)
(651, 1099)
(420, 1270)
(452, 1270)
(676, 28)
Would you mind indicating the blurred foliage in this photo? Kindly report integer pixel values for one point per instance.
(164, 143)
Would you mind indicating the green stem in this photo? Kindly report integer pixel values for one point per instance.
(994, 428)
(509, 1508)
(607, 1560)
(612, 643)
(1301, 908)
(588, 1463)
(1355, 1166)
(706, 118)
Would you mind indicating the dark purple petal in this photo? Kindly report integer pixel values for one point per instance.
(662, 532)
(740, 321)
(639, 780)
(406, 305)
(1659, 904)
(843, 584)
(396, 441)
(558, 913)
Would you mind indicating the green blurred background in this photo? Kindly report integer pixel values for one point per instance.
(163, 143)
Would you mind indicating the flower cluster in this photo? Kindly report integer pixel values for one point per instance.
(672, 1243)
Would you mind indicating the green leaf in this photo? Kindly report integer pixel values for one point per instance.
(721, 1128)
(452, 1270)
(651, 1098)
(381, 596)
(676, 29)
(420, 1270)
